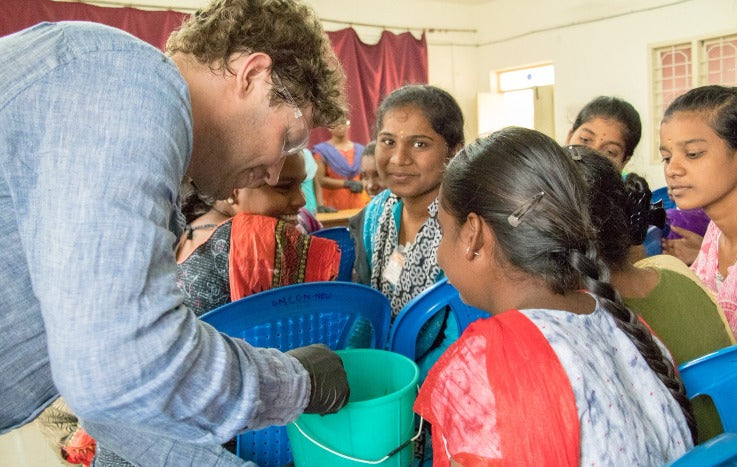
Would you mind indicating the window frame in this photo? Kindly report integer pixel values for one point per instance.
(698, 75)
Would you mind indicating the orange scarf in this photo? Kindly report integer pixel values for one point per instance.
(266, 252)
(80, 449)
(529, 414)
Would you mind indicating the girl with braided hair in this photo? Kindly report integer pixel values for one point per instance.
(563, 373)
(661, 288)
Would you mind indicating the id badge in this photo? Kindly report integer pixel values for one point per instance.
(394, 266)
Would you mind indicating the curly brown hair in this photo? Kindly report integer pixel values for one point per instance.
(288, 31)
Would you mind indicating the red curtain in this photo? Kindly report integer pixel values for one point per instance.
(373, 71)
(151, 26)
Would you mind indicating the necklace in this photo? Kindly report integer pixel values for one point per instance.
(189, 229)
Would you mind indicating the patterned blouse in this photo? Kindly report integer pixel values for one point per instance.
(420, 269)
(203, 276)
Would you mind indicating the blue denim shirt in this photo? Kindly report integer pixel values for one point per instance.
(95, 136)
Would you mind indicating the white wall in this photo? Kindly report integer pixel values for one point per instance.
(602, 57)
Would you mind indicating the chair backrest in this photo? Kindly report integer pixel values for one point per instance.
(338, 314)
(715, 375)
(718, 451)
(419, 310)
(342, 236)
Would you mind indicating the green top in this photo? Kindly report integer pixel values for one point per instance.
(683, 316)
(689, 323)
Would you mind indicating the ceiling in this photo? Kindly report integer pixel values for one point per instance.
(464, 2)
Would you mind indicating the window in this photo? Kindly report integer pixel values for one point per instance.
(682, 66)
(525, 78)
(719, 63)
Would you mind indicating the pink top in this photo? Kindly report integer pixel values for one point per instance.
(706, 266)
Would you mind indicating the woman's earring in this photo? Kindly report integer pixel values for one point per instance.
(475, 253)
(230, 200)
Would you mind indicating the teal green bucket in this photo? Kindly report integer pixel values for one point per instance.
(377, 421)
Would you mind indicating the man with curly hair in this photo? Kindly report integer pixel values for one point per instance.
(97, 130)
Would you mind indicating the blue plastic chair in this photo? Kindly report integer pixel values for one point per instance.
(338, 314)
(342, 236)
(715, 375)
(717, 452)
(419, 310)
(653, 241)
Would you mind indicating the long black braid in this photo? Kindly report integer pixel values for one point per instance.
(592, 270)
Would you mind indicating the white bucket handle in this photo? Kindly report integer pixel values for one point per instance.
(354, 459)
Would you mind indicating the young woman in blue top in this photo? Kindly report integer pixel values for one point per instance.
(418, 129)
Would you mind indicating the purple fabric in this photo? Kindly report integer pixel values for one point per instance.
(337, 161)
(307, 222)
(694, 220)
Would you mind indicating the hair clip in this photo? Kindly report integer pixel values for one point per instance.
(515, 218)
(573, 151)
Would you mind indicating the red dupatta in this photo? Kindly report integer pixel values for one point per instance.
(266, 252)
(528, 415)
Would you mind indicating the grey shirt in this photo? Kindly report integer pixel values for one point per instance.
(95, 137)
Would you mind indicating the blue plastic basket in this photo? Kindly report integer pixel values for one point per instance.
(338, 314)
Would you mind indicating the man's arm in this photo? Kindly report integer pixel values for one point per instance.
(123, 350)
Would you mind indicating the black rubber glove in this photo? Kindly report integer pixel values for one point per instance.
(326, 209)
(330, 389)
(354, 185)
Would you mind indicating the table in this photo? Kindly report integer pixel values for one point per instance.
(336, 219)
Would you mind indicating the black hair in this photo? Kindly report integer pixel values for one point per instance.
(369, 150)
(616, 109)
(440, 108)
(194, 202)
(555, 239)
(719, 103)
(642, 214)
(620, 210)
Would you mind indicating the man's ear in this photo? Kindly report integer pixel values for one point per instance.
(251, 70)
